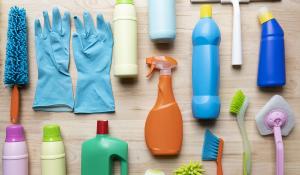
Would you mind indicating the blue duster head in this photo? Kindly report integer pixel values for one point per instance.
(16, 64)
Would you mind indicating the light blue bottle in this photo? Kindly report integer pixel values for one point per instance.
(206, 66)
(162, 20)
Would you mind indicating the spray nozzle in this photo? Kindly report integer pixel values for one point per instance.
(163, 63)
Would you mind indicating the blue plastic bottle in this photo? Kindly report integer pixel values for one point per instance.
(206, 66)
(271, 68)
(162, 20)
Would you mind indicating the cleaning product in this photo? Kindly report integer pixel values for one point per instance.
(15, 153)
(238, 107)
(54, 91)
(271, 68)
(192, 168)
(237, 57)
(213, 150)
(97, 154)
(164, 125)
(206, 67)
(154, 172)
(93, 89)
(125, 39)
(53, 152)
(162, 20)
(276, 117)
(16, 64)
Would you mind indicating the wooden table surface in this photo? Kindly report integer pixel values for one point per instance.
(134, 99)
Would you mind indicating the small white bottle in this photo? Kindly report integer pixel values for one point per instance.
(125, 39)
(53, 152)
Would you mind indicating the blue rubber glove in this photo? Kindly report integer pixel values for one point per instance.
(92, 49)
(54, 86)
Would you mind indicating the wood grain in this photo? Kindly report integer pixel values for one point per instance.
(134, 99)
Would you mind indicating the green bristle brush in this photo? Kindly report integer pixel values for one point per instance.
(238, 108)
(192, 168)
(16, 64)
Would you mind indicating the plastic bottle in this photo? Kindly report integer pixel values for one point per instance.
(15, 153)
(164, 126)
(206, 66)
(97, 154)
(162, 20)
(271, 68)
(53, 152)
(125, 39)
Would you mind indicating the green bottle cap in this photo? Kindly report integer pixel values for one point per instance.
(124, 1)
(51, 133)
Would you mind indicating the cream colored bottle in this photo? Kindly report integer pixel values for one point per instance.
(125, 39)
(53, 153)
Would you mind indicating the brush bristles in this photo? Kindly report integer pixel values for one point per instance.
(237, 102)
(210, 147)
(193, 168)
(16, 64)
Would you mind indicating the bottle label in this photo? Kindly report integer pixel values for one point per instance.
(52, 157)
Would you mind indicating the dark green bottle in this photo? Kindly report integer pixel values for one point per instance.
(97, 154)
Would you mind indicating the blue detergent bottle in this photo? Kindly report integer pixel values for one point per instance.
(206, 66)
(271, 68)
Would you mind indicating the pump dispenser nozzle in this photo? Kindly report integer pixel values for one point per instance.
(163, 63)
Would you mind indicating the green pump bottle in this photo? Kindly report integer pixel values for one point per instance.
(97, 154)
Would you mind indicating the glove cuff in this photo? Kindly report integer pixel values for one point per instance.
(94, 94)
(54, 95)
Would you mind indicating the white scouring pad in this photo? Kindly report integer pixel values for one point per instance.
(276, 103)
(154, 172)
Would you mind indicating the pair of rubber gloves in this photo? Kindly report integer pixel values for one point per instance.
(92, 48)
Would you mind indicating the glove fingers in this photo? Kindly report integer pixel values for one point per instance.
(88, 24)
(37, 28)
(77, 50)
(78, 25)
(57, 23)
(60, 53)
(100, 22)
(47, 26)
(77, 43)
(104, 26)
(66, 26)
(108, 30)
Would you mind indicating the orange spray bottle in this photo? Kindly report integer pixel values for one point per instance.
(164, 126)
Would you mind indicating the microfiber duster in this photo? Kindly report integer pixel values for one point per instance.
(16, 64)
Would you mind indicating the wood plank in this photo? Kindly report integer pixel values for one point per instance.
(132, 108)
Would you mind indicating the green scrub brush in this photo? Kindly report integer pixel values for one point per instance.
(192, 168)
(16, 65)
(238, 107)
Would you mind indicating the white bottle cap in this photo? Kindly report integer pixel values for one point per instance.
(154, 172)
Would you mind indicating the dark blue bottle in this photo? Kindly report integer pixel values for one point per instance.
(271, 68)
